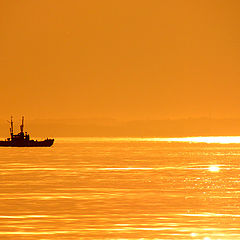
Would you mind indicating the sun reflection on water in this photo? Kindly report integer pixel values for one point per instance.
(214, 168)
(193, 234)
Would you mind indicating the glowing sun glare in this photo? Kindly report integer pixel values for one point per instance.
(193, 234)
(214, 168)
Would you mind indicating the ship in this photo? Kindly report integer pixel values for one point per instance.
(23, 139)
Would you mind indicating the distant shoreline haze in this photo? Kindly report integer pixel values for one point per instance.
(136, 128)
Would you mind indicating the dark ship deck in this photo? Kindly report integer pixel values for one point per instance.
(23, 139)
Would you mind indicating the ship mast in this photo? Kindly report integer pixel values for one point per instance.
(11, 127)
(22, 125)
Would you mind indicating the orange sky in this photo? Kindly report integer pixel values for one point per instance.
(120, 59)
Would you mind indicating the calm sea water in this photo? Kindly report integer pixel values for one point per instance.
(120, 189)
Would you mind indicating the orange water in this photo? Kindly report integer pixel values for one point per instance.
(120, 189)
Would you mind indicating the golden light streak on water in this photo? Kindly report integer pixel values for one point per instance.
(213, 139)
(26, 216)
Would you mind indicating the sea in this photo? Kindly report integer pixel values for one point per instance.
(122, 188)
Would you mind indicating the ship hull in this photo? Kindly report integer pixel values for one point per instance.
(30, 143)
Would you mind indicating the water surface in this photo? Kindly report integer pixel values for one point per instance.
(120, 189)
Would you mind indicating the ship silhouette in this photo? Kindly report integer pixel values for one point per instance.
(23, 139)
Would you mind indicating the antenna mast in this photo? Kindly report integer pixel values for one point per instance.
(22, 125)
(11, 127)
